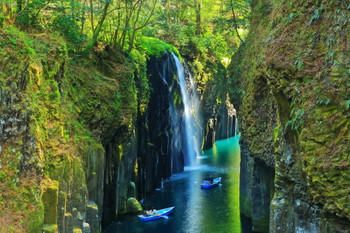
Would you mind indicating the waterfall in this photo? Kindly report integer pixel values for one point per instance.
(174, 144)
(169, 131)
(236, 126)
(191, 119)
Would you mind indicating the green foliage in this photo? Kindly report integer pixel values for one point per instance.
(215, 45)
(299, 64)
(69, 28)
(217, 40)
(29, 17)
(24, 44)
(121, 23)
(289, 19)
(12, 40)
(297, 121)
(316, 15)
(320, 101)
(3, 175)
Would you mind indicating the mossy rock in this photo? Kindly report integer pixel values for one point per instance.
(50, 200)
(50, 228)
(133, 205)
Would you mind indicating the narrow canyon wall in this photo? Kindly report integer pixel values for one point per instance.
(290, 84)
(219, 114)
(67, 135)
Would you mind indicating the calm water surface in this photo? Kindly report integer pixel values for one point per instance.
(196, 210)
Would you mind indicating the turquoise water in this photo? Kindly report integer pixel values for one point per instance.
(196, 210)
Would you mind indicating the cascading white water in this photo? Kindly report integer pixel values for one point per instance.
(191, 118)
(236, 126)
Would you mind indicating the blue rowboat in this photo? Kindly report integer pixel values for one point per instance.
(208, 184)
(156, 214)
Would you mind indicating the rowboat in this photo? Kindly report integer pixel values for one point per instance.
(207, 184)
(156, 214)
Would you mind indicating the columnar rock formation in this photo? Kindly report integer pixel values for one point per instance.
(290, 81)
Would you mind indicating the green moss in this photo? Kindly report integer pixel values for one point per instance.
(50, 228)
(143, 93)
(133, 206)
(276, 133)
(50, 200)
(155, 47)
(93, 206)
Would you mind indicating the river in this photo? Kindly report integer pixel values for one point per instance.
(196, 210)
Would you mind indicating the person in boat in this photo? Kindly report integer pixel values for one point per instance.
(153, 211)
(210, 180)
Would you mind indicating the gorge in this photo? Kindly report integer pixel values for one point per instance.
(94, 116)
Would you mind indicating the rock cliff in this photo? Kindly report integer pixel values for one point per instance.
(67, 135)
(290, 83)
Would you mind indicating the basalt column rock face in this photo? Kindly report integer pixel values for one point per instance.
(292, 80)
(219, 114)
(121, 155)
(256, 190)
(159, 130)
(220, 125)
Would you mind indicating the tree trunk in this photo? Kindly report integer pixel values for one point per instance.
(82, 26)
(198, 19)
(98, 28)
(92, 16)
(135, 29)
(116, 32)
(235, 21)
(169, 23)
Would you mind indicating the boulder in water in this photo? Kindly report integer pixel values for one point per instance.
(133, 205)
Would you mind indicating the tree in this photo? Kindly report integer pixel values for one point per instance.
(136, 22)
(235, 21)
(28, 13)
(97, 30)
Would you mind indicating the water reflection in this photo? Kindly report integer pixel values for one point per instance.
(225, 156)
(196, 210)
